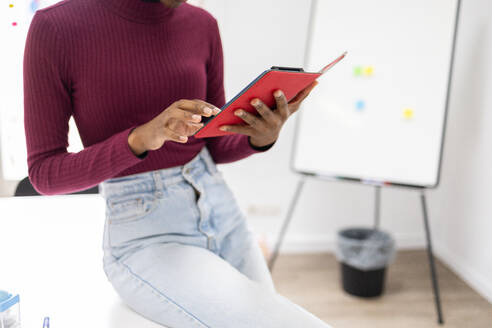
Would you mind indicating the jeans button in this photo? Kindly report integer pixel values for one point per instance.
(187, 171)
(159, 194)
(210, 240)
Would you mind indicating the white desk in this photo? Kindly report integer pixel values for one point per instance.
(51, 254)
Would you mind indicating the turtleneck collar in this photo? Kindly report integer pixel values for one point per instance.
(138, 10)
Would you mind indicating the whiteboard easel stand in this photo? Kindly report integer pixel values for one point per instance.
(377, 207)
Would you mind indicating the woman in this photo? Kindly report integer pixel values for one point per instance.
(138, 77)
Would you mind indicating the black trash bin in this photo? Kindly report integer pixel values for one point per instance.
(364, 255)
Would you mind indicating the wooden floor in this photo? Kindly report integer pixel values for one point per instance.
(313, 281)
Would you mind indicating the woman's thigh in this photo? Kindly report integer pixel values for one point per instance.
(241, 249)
(236, 243)
(187, 286)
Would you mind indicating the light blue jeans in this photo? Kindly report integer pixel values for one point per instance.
(178, 251)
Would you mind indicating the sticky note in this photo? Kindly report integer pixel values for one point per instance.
(368, 70)
(14, 23)
(34, 5)
(11, 5)
(357, 70)
(360, 105)
(408, 113)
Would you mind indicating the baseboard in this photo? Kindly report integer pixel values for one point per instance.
(312, 243)
(295, 244)
(298, 243)
(480, 283)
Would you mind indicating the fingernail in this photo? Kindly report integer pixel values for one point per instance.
(196, 117)
(216, 110)
(223, 128)
(278, 93)
(238, 112)
(182, 138)
(207, 110)
(255, 102)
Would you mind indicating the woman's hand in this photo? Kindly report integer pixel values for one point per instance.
(264, 129)
(175, 123)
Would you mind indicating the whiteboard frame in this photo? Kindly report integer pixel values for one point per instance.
(314, 6)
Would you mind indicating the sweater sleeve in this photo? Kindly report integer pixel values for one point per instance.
(229, 148)
(47, 110)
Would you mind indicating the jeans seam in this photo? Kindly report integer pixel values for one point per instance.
(209, 162)
(232, 232)
(166, 298)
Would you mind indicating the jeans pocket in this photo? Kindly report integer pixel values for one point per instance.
(130, 207)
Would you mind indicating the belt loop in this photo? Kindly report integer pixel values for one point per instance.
(209, 162)
(159, 186)
(102, 189)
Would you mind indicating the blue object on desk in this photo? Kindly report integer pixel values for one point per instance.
(46, 322)
(7, 300)
(4, 296)
(9, 310)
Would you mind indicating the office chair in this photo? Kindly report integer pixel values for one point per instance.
(25, 188)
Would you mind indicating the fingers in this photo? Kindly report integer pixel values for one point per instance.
(265, 112)
(304, 93)
(182, 127)
(198, 107)
(241, 129)
(215, 110)
(173, 136)
(282, 105)
(180, 131)
(252, 120)
(186, 115)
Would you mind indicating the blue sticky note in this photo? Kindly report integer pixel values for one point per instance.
(34, 5)
(360, 104)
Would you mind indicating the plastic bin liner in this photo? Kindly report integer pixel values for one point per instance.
(365, 249)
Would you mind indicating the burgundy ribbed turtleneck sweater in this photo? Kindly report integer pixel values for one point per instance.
(114, 65)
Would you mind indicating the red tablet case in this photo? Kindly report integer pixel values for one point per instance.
(289, 81)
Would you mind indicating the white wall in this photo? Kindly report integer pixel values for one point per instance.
(460, 208)
(264, 183)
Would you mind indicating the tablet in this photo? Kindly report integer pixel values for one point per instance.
(290, 80)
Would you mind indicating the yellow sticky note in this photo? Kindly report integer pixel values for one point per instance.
(408, 113)
(368, 70)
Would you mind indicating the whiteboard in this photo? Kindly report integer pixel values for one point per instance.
(15, 19)
(377, 117)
